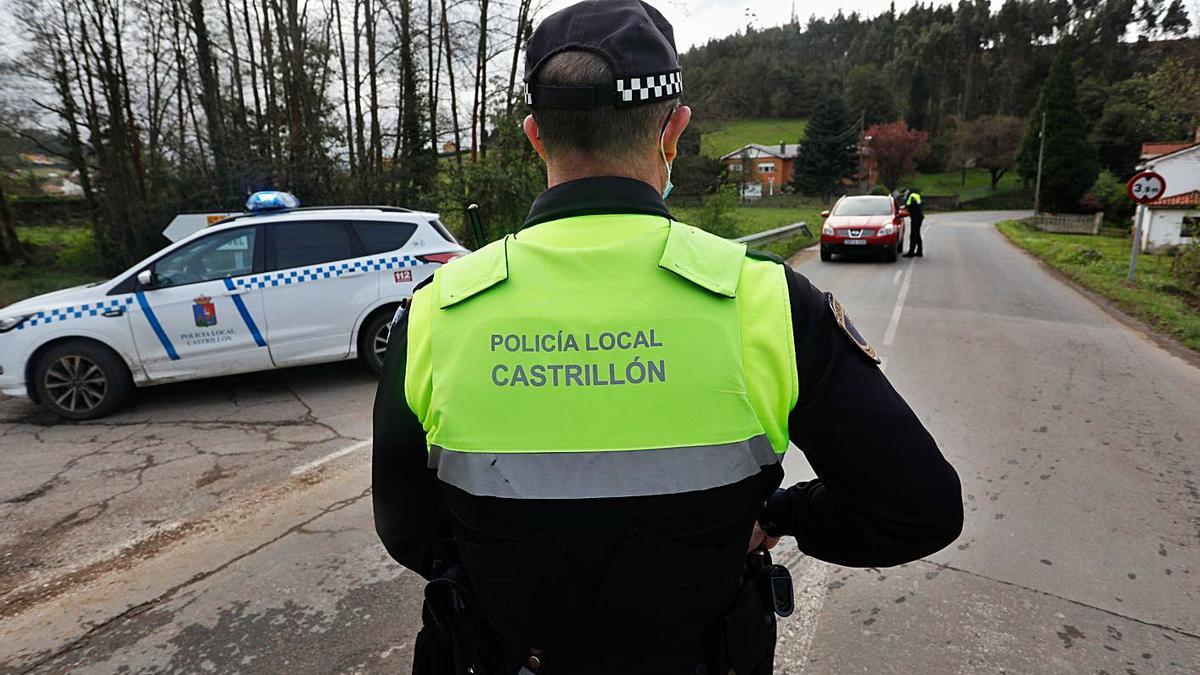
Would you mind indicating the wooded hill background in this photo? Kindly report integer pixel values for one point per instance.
(1134, 64)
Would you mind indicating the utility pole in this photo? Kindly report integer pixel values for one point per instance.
(1037, 191)
(860, 142)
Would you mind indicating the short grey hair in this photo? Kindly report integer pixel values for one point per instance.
(609, 132)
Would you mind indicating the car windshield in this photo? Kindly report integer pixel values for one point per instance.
(864, 206)
(222, 254)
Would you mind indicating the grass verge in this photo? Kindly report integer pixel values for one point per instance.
(59, 257)
(752, 219)
(18, 283)
(1100, 263)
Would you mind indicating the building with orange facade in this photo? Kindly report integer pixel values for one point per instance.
(762, 170)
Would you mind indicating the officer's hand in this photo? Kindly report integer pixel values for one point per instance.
(761, 541)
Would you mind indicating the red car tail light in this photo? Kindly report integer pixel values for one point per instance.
(441, 258)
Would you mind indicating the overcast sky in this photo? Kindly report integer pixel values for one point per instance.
(697, 21)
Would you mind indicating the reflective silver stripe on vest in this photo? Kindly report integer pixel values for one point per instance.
(588, 475)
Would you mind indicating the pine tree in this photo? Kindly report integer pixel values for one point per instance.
(918, 99)
(828, 151)
(1070, 165)
(1147, 15)
(1175, 21)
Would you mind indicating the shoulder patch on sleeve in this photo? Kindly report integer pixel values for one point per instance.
(704, 259)
(472, 274)
(847, 326)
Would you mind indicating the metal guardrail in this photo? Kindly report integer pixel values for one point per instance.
(777, 233)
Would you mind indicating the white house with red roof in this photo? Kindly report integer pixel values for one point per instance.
(1174, 218)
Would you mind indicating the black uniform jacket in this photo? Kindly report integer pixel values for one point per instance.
(635, 584)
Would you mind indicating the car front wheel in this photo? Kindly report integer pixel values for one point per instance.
(826, 256)
(81, 380)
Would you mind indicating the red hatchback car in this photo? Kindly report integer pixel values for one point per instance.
(864, 224)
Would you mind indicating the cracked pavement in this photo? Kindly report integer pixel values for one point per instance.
(1076, 438)
(73, 495)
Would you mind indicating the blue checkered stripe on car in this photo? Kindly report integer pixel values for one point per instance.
(77, 312)
(327, 271)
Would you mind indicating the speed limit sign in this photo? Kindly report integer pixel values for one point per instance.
(1146, 187)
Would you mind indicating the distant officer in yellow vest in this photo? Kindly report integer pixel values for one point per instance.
(916, 214)
(579, 428)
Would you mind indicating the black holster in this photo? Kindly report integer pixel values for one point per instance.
(455, 638)
(747, 632)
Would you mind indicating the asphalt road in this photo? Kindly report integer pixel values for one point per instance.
(225, 525)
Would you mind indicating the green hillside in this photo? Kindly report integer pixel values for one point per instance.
(729, 136)
(978, 183)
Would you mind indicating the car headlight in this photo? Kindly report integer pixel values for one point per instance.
(886, 230)
(8, 323)
(827, 229)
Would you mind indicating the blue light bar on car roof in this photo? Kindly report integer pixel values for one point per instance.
(271, 200)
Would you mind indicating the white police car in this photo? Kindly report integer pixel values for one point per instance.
(271, 288)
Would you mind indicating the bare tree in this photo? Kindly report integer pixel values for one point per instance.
(433, 69)
(524, 27)
(479, 103)
(341, 42)
(210, 92)
(166, 105)
(10, 246)
(454, 118)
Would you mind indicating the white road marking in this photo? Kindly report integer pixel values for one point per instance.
(810, 579)
(810, 587)
(896, 278)
(309, 466)
(889, 336)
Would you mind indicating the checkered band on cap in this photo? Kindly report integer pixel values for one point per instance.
(649, 88)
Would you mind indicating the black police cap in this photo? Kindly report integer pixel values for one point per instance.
(633, 37)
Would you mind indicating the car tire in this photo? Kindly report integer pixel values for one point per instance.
(826, 256)
(81, 380)
(890, 254)
(372, 347)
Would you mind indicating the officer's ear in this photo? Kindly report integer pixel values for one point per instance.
(534, 135)
(673, 129)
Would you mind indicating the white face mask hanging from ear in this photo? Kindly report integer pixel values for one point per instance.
(662, 149)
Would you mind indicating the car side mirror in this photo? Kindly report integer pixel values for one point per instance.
(825, 214)
(902, 214)
(145, 278)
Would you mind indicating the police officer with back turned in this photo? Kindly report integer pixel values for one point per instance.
(579, 429)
